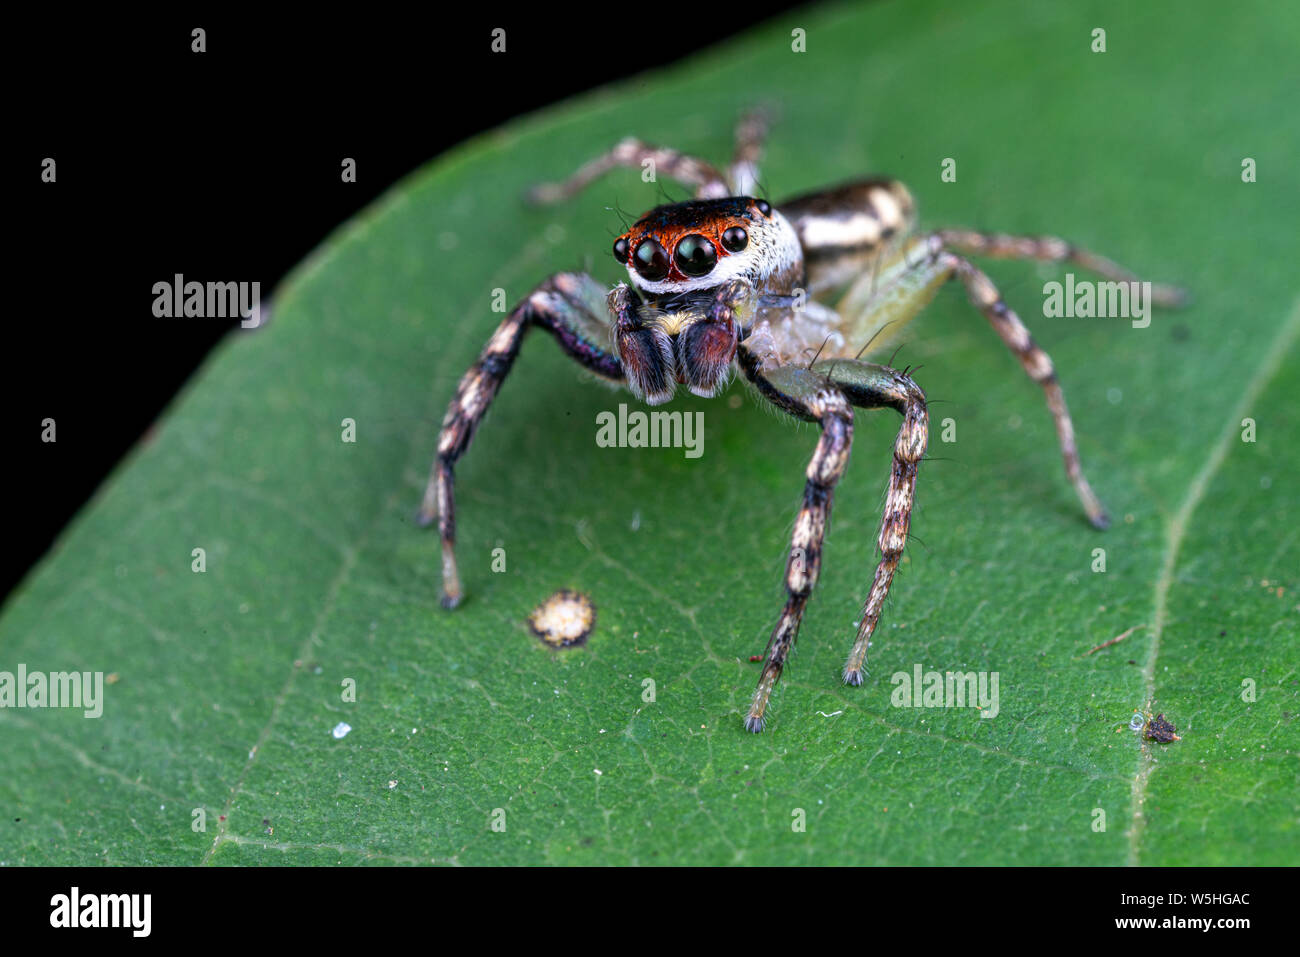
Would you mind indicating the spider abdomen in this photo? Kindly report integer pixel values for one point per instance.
(844, 230)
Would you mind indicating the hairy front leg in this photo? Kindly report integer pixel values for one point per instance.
(566, 306)
(809, 396)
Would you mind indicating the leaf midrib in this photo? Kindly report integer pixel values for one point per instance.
(1176, 532)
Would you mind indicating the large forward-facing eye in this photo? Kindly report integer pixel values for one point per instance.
(620, 250)
(695, 255)
(650, 260)
(735, 239)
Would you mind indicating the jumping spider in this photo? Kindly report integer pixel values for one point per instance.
(728, 281)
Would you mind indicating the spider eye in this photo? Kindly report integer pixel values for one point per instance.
(651, 260)
(620, 249)
(735, 239)
(764, 207)
(695, 255)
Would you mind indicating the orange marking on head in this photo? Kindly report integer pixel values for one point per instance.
(668, 225)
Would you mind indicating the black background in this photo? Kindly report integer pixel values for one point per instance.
(934, 909)
(225, 165)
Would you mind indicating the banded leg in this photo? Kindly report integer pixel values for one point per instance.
(808, 396)
(567, 305)
(886, 299)
(1038, 366)
(708, 181)
(894, 294)
(872, 387)
(1051, 249)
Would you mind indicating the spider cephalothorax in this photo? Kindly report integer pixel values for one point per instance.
(697, 266)
(726, 281)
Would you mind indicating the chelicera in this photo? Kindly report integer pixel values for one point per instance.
(790, 296)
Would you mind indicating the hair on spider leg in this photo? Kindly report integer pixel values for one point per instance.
(818, 353)
(894, 355)
(916, 538)
(828, 378)
(770, 409)
(873, 338)
(866, 672)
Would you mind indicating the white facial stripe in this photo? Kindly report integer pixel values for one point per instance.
(737, 264)
(785, 251)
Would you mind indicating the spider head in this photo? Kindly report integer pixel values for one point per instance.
(697, 246)
(697, 266)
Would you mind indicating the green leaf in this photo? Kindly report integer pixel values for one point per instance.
(229, 682)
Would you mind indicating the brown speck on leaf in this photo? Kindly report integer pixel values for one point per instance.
(1158, 729)
(1113, 641)
(564, 620)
